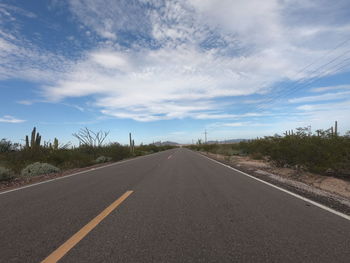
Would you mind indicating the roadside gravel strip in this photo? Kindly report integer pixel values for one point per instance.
(327, 199)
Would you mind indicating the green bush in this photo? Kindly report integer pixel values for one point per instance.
(39, 169)
(5, 174)
(317, 154)
(19, 160)
(103, 159)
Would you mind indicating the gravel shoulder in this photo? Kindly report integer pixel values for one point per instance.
(330, 191)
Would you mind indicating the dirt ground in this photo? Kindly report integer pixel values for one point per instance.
(337, 186)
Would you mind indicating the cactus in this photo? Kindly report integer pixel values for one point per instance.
(32, 140)
(55, 144)
(27, 142)
(35, 140)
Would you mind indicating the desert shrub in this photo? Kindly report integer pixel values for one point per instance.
(5, 174)
(8, 146)
(315, 153)
(103, 159)
(39, 169)
(257, 156)
(151, 148)
(18, 159)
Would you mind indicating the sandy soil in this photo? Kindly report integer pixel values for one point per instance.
(296, 177)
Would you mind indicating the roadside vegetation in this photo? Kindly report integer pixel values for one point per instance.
(324, 152)
(37, 158)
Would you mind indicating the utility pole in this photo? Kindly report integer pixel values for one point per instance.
(205, 133)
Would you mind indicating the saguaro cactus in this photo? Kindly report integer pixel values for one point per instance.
(27, 141)
(32, 139)
(55, 144)
(35, 140)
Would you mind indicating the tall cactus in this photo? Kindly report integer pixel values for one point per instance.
(55, 144)
(35, 140)
(27, 142)
(32, 140)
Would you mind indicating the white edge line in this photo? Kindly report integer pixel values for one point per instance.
(284, 190)
(70, 175)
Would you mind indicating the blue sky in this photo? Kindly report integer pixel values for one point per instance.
(168, 70)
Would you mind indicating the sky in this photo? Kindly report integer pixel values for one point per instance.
(169, 70)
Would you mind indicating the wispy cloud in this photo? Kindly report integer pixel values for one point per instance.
(331, 88)
(323, 97)
(10, 119)
(159, 60)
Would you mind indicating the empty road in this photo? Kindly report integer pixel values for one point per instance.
(173, 206)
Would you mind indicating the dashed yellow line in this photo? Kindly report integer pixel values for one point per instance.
(70, 243)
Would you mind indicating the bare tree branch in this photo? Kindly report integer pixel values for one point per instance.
(91, 138)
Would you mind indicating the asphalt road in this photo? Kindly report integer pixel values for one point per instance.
(184, 208)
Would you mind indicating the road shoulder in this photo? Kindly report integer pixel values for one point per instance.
(326, 198)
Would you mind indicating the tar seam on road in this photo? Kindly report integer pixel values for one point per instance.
(70, 243)
(70, 175)
(284, 190)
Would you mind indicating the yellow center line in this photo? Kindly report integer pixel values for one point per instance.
(70, 243)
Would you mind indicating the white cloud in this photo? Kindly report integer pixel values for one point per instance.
(332, 88)
(10, 119)
(20, 56)
(107, 18)
(162, 83)
(111, 60)
(322, 116)
(181, 57)
(344, 105)
(323, 97)
(25, 102)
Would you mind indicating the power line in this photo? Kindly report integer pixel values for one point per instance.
(299, 83)
(304, 85)
(294, 86)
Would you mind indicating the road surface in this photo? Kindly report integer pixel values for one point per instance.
(182, 208)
